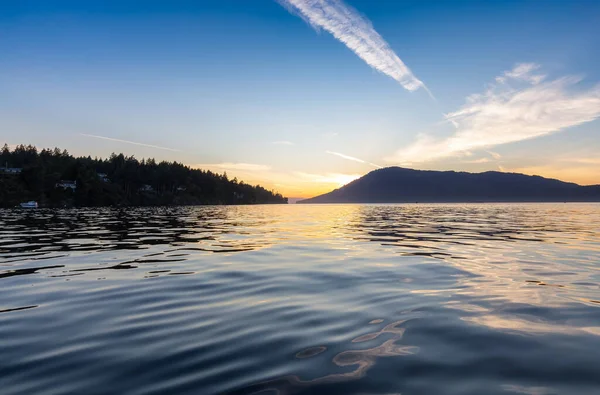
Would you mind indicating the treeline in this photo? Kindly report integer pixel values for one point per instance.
(54, 178)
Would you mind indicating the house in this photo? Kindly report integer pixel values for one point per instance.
(65, 184)
(238, 195)
(103, 177)
(146, 188)
(11, 170)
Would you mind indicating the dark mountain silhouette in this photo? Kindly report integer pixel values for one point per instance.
(398, 185)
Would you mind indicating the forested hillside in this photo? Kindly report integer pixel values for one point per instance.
(54, 178)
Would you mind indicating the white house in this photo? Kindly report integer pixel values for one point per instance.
(103, 177)
(12, 170)
(67, 184)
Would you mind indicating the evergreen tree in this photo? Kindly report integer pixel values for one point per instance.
(116, 181)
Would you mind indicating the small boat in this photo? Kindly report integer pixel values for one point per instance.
(31, 204)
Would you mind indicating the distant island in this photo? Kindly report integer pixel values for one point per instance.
(54, 178)
(401, 185)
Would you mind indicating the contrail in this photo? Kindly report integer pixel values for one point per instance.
(129, 142)
(353, 159)
(349, 27)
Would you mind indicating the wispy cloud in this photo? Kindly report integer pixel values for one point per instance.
(586, 161)
(328, 178)
(505, 114)
(494, 155)
(292, 183)
(282, 143)
(522, 72)
(233, 166)
(480, 160)
(357, 33)
(581, 173)
(129, 142)
(348, 157)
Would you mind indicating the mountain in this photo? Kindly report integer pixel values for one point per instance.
(400, 185)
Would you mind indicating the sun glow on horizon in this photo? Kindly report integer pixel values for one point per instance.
(295, 184)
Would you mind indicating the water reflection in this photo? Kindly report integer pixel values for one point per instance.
(445, 299)
(360, 360)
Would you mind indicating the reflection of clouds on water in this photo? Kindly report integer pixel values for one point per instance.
(306, 298)
(360, 360)
(311, 352)
(530, 325)
(512, 253)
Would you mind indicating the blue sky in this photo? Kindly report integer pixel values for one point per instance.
(281, 93)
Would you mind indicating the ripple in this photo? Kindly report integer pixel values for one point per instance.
(349, 299)
(31, 270)
(311, 352)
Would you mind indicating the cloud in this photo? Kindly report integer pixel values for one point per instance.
(504, 115)
(454, 123)
(357, 33)
(522, 72)
(293, 183)
(353, 159)
(494, 155)
(580, 173)
(129, 142)
(234, 166)
(328, 178)
(586, 161)
(282, 143)
(481, 160)
(266, 174)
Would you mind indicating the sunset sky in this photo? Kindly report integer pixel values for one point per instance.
(305, 95)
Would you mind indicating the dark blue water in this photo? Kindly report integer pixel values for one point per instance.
(348, 299)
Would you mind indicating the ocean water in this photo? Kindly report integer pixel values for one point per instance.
(298, 299)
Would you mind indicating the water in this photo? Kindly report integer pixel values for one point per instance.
(348, 299)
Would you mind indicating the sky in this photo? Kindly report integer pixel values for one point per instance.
(303, 96)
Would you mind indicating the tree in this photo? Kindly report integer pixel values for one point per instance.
(125, 184)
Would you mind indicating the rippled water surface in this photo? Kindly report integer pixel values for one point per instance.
(348, 299)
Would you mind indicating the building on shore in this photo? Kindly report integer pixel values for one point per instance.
(65, 184)
(11, 170)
